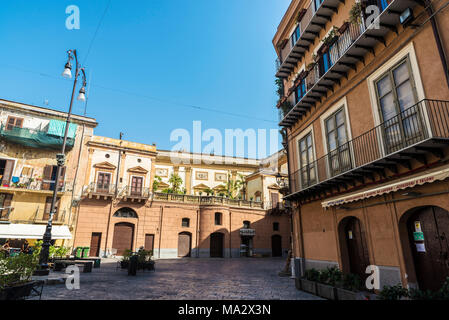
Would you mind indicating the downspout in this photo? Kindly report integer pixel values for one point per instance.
(160, 231)
(197, 233)
(436, 34)
(107, 229)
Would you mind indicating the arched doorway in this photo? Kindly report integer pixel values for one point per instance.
(216, 245)
(123, 237)
(428, 231)
(276, 245)
(354, 249)
(184, 244)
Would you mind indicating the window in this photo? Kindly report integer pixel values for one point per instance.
(396, 94)
(14, 122)
(274, 200)
(125, 213)
(275, 226)
(296, 35)
(103, 182)
(337, 142)
(258, 196)
(246, 224)
(306, 161)
(47, 208)
(300, 91)
(5, 204)
(185, 222)
(218, 217)
(318, 4)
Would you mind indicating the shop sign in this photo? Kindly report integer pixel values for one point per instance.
(247, 232)
(418, 236)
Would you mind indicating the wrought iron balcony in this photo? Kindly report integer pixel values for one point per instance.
(28, 184)
(207, 200)
(418, 130)
(138, 193)
(34, 138)
(348, 49)
(104, 189)
(313, 20)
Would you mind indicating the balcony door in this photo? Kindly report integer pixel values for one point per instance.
(136, 186)
(103, 182)
(306, 162)
(402, 120)
(339, 152)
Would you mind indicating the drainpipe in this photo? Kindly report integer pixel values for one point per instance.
(160, 231)
(436, 34)
(118, 167)
(107, 229)
(197, 233)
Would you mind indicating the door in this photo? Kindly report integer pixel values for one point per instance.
(216, 245)
(49, 178)
(6, 167)
(428, 232)
(123, 237)
(184, 244)
(276, 246)
(149, 242)
(274, 200)
(402, 119)
(357, 248)
(136, 186)
(95, 243)
(103, 182)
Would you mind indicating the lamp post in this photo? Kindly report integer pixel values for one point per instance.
(60, 158)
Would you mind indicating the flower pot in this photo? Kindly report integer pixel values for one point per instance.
(326, 291)
(343, 294)
(308, 286)
(343, 28)
(17, 292)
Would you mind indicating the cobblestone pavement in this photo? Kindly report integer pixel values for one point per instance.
(195, 279)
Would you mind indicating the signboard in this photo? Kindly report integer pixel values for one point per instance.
(418, 236)
(418, 226)
(247, 232)
(420, 247)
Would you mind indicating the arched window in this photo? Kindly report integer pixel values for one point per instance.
(246, 224)
(185, 222)
(218, 218)
(125, 213)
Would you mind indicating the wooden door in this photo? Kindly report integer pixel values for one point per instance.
(136, 186)
(431, 254)
(149, 242)
(276, 246)
(123, 237)
(357, 248)
(95, 243)
(7, 172)
(103, 182)
(216, 245)
(184, 245)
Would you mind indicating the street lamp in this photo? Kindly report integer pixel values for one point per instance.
(60, 158)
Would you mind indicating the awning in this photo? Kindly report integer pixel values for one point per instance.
(423, 178)
(32, 231)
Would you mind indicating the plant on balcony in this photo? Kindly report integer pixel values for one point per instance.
(331, 37)
(285, 107)
(156, 183)
(175, 185)
(300, 15)
(279, 87)
(355, 14)
(233, 186)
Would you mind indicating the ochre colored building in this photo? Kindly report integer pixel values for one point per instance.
(365, 112)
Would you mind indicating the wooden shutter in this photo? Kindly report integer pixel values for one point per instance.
(5, 205)
(62, 177)
(47, 177)
(48, 208)
(8, 172)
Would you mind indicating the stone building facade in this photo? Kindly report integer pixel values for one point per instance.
(364, 110)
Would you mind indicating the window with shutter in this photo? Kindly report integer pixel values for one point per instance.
(47, 208)
(5, 204)
(7, 172)
(14, 122)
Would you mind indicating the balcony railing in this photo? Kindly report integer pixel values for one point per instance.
(42, 216)
(207, 200)
(39, 185)
(133, 192)
(34, 138)
(425, 121)
(348, 49)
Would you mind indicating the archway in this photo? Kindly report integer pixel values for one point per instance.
(123, 237)
(184, 244)
(216, 245)
(424, 235)
(126, 213)
(353, 245)
(276, 245)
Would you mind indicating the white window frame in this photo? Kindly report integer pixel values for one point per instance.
(298, 138)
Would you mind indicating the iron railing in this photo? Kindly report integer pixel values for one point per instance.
(428, 119)
(39, 185)
(131, 192)
(100, 188)
(207, 200)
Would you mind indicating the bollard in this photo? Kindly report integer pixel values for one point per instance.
(132, 267)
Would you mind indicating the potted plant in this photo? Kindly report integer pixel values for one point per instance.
(355, 14)
(308, 283)
(349, 288)
(329, 40)
(343, 28)
(15, 276)
(124, 263)
(393, 293)
(327, 281)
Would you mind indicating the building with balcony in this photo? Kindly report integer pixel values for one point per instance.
(364, 107)
(30, 138)
(177, 204)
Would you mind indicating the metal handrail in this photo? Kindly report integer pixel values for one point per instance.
(420, 122)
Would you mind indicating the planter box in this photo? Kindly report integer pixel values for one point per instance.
(343, 294)
(326, 291)
(308, 286)
(18, 292)
(298, 284)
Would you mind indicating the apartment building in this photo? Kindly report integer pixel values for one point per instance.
(364, 109)
(130, 199)
(30, 138)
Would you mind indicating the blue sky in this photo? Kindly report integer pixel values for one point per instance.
(151, 60)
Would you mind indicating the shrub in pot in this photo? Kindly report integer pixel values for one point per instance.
(124, 263)
(393, 293)
(349, 287)
(327, 281)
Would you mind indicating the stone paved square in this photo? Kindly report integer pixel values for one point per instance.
(187, 279)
